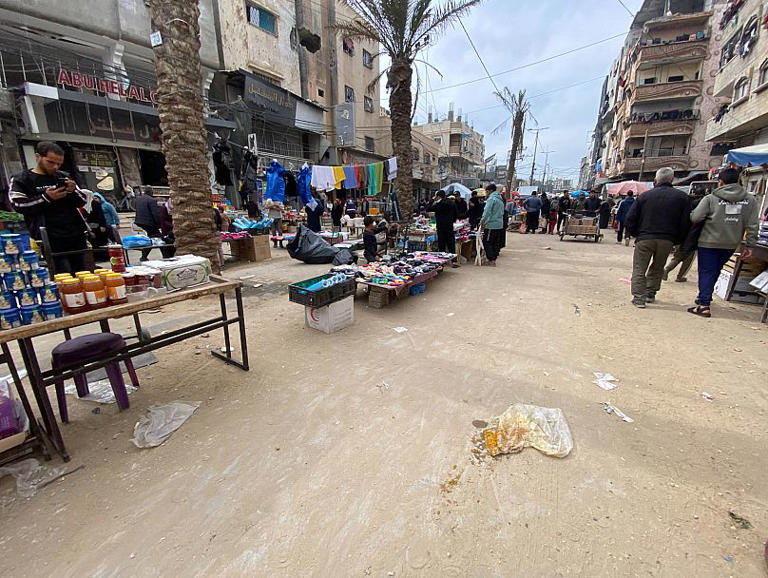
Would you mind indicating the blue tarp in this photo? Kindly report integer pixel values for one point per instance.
(755, 155)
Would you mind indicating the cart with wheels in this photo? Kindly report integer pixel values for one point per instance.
(581, 226)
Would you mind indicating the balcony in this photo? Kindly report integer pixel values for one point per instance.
(669, 122)
(675, 52)
(741, 120)
(668, 91)
(652, 164)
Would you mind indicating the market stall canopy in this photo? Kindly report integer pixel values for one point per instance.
(621, 189)
(576, 194)
(754, 155)
(458, 188)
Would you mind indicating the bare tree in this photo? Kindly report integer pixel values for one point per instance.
(519, 108)
(180, 107)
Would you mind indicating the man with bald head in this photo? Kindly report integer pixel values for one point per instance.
(658, 220)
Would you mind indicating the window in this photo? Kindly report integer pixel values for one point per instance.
(367, 59)
(677, 78)
(368, 104)
(261, 18)
(438, 140)
(730, 48)
(348, 46)
(427, 159)
(370, 144)
(666, 146)
(320, 93)
(762, 78)
(741, 90)
(415, 154)
(349, 94)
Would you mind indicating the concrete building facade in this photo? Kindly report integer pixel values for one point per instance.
(742, 78)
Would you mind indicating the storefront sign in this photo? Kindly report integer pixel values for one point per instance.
(277, 103)
(76, 79)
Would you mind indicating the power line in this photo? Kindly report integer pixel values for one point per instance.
(627, 9)
(531, 63)
(480, 58)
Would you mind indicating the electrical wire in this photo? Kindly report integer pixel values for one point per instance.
(627, 9)
(480, 58)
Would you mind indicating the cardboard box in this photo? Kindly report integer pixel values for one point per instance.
(333, 317)
(742, 290)
(183, 271)
(254, 250)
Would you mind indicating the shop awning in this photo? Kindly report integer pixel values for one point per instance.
(745, 156)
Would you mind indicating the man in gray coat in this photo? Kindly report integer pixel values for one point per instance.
(728, 213)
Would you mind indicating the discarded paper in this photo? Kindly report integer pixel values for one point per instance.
(605, 381)
(99, 392)
(30, 476)
(742, 523)
(707, 396)
(160, 421)
(523, 426)
(612, 409)
(400, 329)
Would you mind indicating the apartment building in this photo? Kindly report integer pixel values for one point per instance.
(742, 78)
(426, 154)
(82, 74)
(461, 149)
(659, 95)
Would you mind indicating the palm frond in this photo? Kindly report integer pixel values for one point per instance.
(435, 20)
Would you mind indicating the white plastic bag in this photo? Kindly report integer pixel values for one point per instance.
(30, 475)
(160, 421)
(523, 426)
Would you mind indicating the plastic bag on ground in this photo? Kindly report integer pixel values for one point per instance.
(30, 475)
(160, 421)
(312, 249)
(523, 426)
(100, 391)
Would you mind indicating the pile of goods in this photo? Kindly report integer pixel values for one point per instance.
(396, 271)
(243, 224)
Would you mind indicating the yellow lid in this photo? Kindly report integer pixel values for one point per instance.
(114, 276)
(62, 276)
(97, 271)
(70, 281)
(91, 278)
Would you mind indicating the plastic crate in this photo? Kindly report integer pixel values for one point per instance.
(298, 292)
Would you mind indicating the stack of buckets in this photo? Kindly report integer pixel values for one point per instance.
(28, 293)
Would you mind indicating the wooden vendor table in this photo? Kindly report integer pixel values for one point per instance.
(40, 380)
(758, 252)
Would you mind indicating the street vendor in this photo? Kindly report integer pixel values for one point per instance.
(445, 216)
(370, 249)
(48, 197)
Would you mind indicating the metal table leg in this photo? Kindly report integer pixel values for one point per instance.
(243, 340)
(223, 303)
(38, 389)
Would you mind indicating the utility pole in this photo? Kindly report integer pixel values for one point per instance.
(535, 148)
(546, 165)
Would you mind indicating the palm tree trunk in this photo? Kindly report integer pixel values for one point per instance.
(180, 107)
(400, 104)
(517, 136)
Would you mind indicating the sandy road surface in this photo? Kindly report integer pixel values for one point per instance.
(349, 454)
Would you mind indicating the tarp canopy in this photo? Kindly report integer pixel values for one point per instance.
(755, 155)
(458, 188)
(621, 189)
(576, 194)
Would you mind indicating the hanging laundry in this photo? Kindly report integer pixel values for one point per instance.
(222, 162)
(392, 164)
(360, 174)
(338, 177)
(350, 180)
(303, 184)
(386, 172)
(379, 168)
(291, 187)
(276, 182)
(322, 178)
(371, 175)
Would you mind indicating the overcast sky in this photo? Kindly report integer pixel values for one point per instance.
(511, 33)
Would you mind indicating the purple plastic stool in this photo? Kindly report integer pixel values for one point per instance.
(78, 349)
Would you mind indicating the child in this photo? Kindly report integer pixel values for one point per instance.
(369, 240)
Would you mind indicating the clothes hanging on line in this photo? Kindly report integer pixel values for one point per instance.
(338, 177)
(276, 182)
(303, 180)
(350, 181)
(392, 165)
(322, 178)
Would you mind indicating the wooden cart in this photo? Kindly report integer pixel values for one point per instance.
(580, 226)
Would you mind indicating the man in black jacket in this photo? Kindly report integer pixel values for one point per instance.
(148, 217)
(48, 198)
(592, 204)
(563, 206)
(445, 217)
(659, 219)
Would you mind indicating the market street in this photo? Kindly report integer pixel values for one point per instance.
(350, 454)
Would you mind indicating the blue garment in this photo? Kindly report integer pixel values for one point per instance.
(711, 261)
(624, 207)
(303, 180)
(110, 213)
(532, 204)
(350, 180)
(313, 217)
(276, 182)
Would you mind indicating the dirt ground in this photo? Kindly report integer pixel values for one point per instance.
(349, 454)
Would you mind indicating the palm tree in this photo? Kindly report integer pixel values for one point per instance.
(180, 107)
(402, 28)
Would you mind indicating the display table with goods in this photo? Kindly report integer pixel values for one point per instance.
(393, 278)
(101, 296)
(738, 273)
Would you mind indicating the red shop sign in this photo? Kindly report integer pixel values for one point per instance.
(106, 86)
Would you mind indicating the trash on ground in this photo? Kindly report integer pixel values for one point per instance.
(626, 281)
(400, 329)
(523, 426)
(30, 476)
(728, 558)
(160, 421)
(742, 523)
(450, 315)
(617, 412)
(707, 396)
(99, 392)
(576, 309)
(244, 277)
(605, 381)
(480, 423)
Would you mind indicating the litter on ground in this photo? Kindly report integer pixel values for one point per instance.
(523, 425)
(605, 381)
(612, 409)
(160, 421)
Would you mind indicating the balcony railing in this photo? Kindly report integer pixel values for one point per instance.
(668, 90)
(664, 115)
(636, 164)
(675, 52)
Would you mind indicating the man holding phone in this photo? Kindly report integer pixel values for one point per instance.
(48, 198)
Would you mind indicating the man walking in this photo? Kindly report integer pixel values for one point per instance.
(532, 206)
(148, 217)
(658, 220)
(685, 253)
(546, 205)
(727, 213)
(563, 206)
(493, 224)
(621, 218)
(48, 198)
(592, 205)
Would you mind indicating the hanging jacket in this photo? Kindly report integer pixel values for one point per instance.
(302, 182)
(728, 212)
(276, 182)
